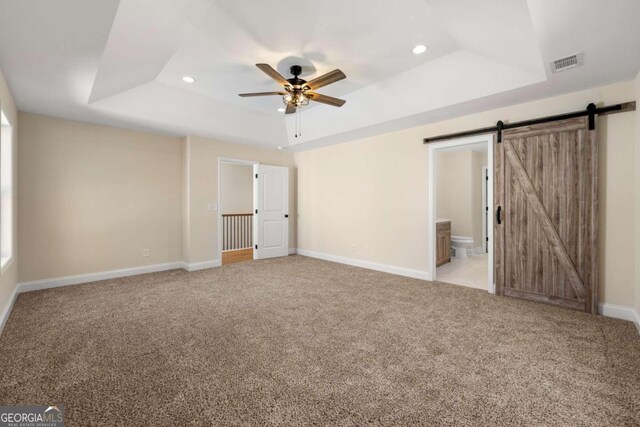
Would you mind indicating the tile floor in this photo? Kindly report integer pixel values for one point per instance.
(470, 272)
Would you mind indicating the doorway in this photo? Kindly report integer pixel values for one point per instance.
(236, 210)
(460, 240)
(253, 210)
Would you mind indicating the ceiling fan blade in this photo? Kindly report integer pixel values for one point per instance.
(271, 72)
(326, 79)
(329, 100)
(261, 94)
(290, 109)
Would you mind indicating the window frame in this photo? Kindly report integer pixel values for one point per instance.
(5, 123)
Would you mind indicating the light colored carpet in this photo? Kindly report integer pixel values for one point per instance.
(297, 341)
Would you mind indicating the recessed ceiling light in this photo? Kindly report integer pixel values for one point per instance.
(281, 110)
(420, 49)
(188, 79)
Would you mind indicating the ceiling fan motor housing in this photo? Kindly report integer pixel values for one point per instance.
(296, 70)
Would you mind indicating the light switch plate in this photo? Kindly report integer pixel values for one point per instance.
(212, 206)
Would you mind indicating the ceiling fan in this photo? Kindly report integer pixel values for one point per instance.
(298, 92)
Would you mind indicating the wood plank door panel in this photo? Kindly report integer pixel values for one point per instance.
(546, 185)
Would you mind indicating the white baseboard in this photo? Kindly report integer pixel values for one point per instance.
(415, 274)
(7, 309)
(37, 285)
(606, 309)
(197, 266)
(620, 312)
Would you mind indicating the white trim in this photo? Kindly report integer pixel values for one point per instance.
(197, 266)
(620, 312)
(4, 266)
(431, 200)
(10, 188)
(7, 308)
(238, 161)
(485, 205)
(4, 119)
(37, 285)
(400, 271)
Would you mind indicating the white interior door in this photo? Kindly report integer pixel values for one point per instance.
(271, 202)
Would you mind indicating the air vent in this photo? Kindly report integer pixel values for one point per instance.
(567, 63)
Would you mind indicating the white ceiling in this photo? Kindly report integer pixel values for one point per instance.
(121, 62)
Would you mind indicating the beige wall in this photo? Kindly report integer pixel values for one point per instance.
(453, 190)
(91, 198)
(9, 275)
(236, 188)
(367, 199)
(201, 186)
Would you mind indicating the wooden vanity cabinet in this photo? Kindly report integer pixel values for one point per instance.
(443, 243)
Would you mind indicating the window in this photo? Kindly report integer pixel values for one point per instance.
(6, 191)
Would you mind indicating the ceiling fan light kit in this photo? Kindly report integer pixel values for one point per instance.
(298, 92)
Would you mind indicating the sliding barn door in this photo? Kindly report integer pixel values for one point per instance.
(271, 192)
(546, 201)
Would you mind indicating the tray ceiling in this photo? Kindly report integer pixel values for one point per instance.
(121, 62)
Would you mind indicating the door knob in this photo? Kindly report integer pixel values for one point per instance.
(286, 215)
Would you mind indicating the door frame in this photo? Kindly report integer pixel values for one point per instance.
(245, 162)
(431, 200)
(485, 207)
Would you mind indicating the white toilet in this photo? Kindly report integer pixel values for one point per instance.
(461, 246)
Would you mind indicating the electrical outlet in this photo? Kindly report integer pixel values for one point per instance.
(145, 252)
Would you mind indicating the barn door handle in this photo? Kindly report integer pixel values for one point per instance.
(499, 215)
